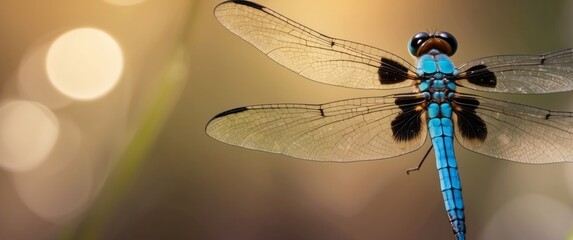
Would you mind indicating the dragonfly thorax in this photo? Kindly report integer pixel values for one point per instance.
(437, 90)
(436, 71)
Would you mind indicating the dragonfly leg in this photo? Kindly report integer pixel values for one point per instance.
(421, 162)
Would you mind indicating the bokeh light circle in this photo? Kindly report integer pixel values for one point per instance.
(28, 133)
(84, 63)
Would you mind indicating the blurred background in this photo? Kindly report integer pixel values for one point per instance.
(103, 105)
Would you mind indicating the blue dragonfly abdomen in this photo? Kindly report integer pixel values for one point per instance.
(437, 72)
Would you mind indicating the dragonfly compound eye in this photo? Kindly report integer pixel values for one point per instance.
(417, 41)
(450, 39)
(423, 43)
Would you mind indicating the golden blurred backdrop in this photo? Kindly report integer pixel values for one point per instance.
(103, 105)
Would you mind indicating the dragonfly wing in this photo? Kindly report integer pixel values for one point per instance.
(546, 73)
(312, 54)
(342, 131)
(513, 131)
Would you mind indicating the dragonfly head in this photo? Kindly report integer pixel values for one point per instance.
(423, 42)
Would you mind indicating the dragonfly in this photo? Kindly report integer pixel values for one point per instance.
(372, 128)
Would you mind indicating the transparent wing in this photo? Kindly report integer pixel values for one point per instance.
(314, 55)
(521, 133)
(342, 131)
(546, 73)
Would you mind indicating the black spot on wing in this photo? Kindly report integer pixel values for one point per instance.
(408, 123)
(481, 76)
(391, 72)
(249, 3)
(230, 111)
(471, 126)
